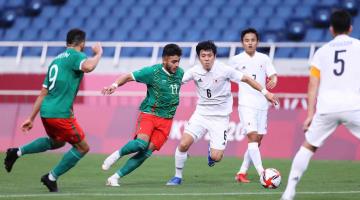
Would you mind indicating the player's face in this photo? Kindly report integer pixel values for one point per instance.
(250, 43)
(171, 63)
(207, 59)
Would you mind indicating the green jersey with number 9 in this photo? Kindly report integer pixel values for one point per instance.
(62, 81)
(162, 97)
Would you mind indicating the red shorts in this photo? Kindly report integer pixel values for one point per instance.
(63, 130)
(157, 128)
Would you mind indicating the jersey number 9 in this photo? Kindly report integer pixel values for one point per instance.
(53, 72)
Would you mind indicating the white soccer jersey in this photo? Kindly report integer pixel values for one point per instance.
(339, 65)
(259, 67)
(213, 88)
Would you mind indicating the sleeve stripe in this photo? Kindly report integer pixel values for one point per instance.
(314, 72)
(81, 64)
(45, 86)
(132, 75)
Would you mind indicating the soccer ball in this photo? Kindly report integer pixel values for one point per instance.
(270, 178)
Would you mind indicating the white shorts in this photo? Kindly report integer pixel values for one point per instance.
(215, 126)
(252, 119)
(323, 125)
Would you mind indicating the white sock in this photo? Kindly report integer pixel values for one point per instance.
(298, 167)
(254, 152)
(246, 163)
(19, 153)
(51, 177)
(180, 159)
(115, 176)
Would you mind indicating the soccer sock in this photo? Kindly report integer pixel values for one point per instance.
(298, 167)
(36, 146)
(254, 152)
(246, 163)
(68, 161)
(133, 146)
(180, 159)
(134, 162)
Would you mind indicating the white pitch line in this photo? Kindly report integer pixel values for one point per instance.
(165, 194)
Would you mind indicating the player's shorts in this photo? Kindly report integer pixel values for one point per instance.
(323, 125)
(252, 119)
(216, 126)
(157, 128)
(63, 130)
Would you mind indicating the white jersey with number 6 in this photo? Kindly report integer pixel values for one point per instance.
(339, 66)
(259, 67)
(213, 88)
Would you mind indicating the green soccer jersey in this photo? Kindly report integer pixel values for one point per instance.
(162, 96)
(62, 81)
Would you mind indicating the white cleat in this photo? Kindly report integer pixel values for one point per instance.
(112, 182)
(110, 160)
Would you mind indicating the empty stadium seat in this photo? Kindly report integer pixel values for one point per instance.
(321, 16)
(296, 29)
(350, 5)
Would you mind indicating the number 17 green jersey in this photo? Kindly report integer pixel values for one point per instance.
(62, 81)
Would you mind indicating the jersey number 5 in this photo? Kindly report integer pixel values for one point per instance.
(341, 61)
(53, 72)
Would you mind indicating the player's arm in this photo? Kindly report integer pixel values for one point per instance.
(313, 87)
(273, 79)
(90, 64)
(28, 123)
(268, 95)
(119, 82)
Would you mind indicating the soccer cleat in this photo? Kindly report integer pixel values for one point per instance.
(112, 182)
(51, 185)
(174, 181)
(11, 157)
(110, 160)
(241, 178)
(211, 162)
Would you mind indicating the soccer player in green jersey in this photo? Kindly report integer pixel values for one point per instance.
(163, 83)
(55, 104)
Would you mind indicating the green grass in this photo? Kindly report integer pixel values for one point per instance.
(86, 180)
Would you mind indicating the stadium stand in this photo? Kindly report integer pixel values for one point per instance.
(156, 20)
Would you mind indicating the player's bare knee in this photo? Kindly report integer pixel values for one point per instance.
(216, 156)
(309, 146)
(184, 146)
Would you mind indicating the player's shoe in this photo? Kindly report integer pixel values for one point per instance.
(112, 182)
(174, 181)
(11, 157)
(241, 178)
(51, 185)
(110, 160)
(211, 162)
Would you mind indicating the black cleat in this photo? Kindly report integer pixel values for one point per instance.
(11, 157)
(51, 185)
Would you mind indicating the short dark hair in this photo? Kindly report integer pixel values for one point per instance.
(172, 50)
(340, 20)
(75, 37)
(206, 46)
(249, 30)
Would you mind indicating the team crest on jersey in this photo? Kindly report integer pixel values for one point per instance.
(199, 80)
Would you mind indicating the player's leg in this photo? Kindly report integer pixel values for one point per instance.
(70, 131)
(320, 129)
(217, 128)
(181, 155)
(144, 129)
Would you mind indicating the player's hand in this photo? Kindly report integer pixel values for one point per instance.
(271, 83)
(108, 90)
(97, 49)
(271, 97)
(307, 123)
(26, 125)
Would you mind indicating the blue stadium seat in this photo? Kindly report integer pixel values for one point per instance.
(65, 12)
(120, 35)
(211, 34)
(48, 34)
(181, 25)
(143, 52)
(265, 11)
(236, 3)
(94, 3)
(9, 51)
(137, 36)
(227, 11)
(110, 3)
(111, 23)
(155, 12)
(54, 51)
(327, 2)
(296, 29)
(201, 23)
(247, 12)
(165, 24)
(163, 2)
(74, 3)
(271, 36)
(39, 23)
(314, 35)
(352, 6)
(237, 24)
(48, 11)
(274, 2)
(275, 23)
(7, 18)
(217, 3)
(210, 11)
(84, 11)
(284, 11)
(57, 23)
(174, 36)
(155, 35)
(231, 35)
(102, 12)
(255, 2)
(191, 12)
(120, 12)
(75, 22)
(32, 51)
(33, 7)
(11, 35)
(281, 52)
(173, 12)
(30, 35)
(146, 24)
(192, 35)
(301, 53)
(92, 24)
(302, 11)
(15, 3)
(292, 2)
(321, 16)
(223, 52)
(199, 3)
(137, 11)
(309, 2)
(21, 23)
(145, 2)
(101, 35)
(257, 23)
(220, 23)
(108, 51)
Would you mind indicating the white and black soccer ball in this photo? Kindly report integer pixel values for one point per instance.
(270, 178)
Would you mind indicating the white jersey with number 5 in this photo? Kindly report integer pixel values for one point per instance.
(339, 65)
(213, 88)
(259, 67)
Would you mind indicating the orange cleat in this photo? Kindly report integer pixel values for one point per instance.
(241, 178)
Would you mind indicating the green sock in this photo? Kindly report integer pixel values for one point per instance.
(134, 162)
(68, 161)
(37, 146)
(133, 146)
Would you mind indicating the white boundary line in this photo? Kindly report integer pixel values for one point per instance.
(166, 194)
